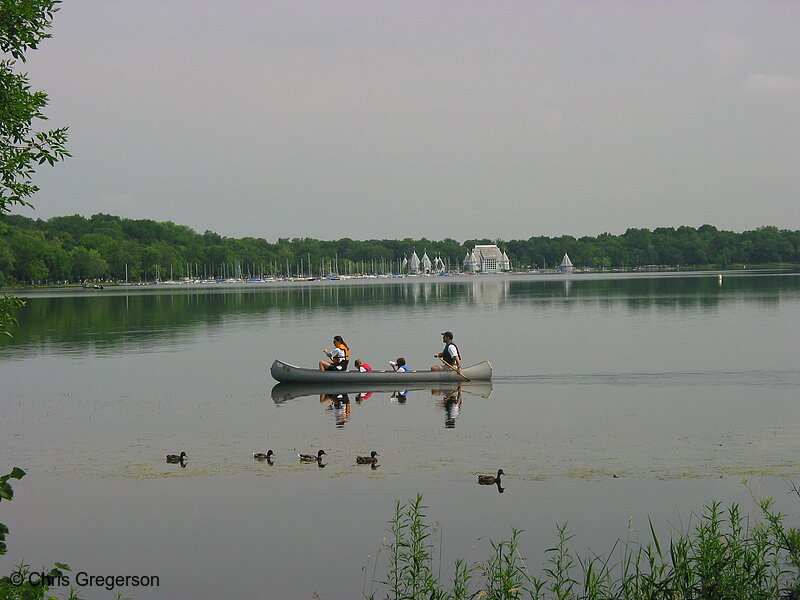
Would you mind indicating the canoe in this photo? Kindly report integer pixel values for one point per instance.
(282, 392)
(284, 372)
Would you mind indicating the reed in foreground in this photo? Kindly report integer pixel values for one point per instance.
(724, 556)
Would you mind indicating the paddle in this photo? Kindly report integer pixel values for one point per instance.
(452, 368)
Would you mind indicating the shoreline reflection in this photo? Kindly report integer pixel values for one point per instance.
(64, 321)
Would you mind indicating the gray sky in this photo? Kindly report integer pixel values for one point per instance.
(440, 119)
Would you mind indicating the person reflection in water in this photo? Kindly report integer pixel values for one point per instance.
(339, 405)
(361, 396)
(451, 404)
(400, 396)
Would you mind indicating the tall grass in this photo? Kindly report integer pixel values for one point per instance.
(724, 556)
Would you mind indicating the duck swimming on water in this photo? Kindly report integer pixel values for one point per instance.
(368, 460)
(311, 457)
(176, 458)
(490, 479)
(262, 456)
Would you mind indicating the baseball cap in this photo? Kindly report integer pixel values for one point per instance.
(448, 334)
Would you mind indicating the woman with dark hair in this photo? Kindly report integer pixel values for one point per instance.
(340, 356)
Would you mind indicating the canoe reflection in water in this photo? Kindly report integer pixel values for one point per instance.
(283, 392)
(449, 397)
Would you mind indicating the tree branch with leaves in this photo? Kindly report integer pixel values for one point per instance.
(24, 24)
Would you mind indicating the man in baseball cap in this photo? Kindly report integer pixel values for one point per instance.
(450, 355)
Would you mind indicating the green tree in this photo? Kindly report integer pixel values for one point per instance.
(38, 271)
(57, 260)
(126, 260)
(23, 25)
(27, 248)
(163, 255)
(640, 247)
(6, 261)
(101, 242)
(68, 229)
(88, 264)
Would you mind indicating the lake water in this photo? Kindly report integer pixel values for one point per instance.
(616, 398)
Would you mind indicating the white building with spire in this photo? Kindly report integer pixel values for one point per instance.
(438, 265)
(427, 266)
(487, 259)
(413, 263)
(469, 263)
(566, 264)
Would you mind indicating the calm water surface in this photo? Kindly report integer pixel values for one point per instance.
(615, 399)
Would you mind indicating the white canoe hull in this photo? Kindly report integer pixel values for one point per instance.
(284, 372)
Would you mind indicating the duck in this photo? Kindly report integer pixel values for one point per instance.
(176, 458)
(490, 479)
(311, 457)
(368, 460)
(262, 456)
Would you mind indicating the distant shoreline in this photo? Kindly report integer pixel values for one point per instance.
(382, 280)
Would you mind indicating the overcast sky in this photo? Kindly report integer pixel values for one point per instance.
(440, 119)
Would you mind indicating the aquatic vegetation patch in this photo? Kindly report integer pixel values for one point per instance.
(721, 555)
(784, 469)
(668, 476)
(590, 474)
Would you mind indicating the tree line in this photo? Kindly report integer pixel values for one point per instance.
(110, 248)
